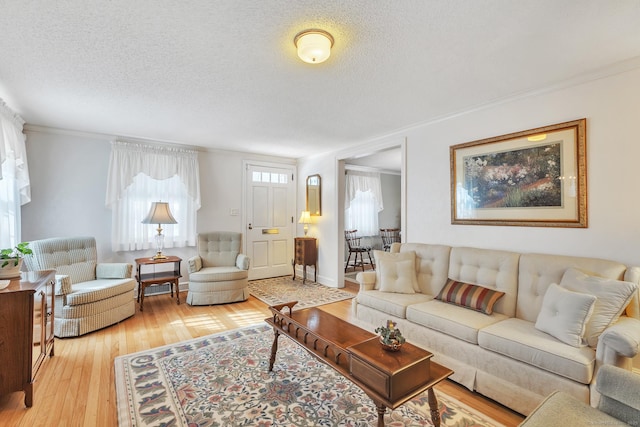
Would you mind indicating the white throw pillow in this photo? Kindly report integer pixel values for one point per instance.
(613, 297)
(564, 314)
(397, 276)
(381, 256)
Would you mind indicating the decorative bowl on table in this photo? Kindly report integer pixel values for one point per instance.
(391, 338)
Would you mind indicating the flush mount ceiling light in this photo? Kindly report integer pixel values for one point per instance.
(314, 46)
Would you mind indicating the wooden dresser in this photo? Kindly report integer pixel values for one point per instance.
(305, 253)
(26, 330)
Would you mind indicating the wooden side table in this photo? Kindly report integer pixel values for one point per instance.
(158, 278)
(305, 253)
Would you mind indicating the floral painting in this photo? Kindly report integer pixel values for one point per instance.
(524, 178)
(534, 178)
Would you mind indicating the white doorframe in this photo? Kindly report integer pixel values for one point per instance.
(339, 191)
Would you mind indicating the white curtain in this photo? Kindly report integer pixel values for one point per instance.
(140, 174)
(363, 201)
(15, 188)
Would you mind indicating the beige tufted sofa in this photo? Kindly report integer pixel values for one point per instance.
(220, 272)
(502, 355)
(89, 295)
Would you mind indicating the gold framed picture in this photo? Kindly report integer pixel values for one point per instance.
(536, 178)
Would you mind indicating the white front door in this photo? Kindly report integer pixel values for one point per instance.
(270, 220)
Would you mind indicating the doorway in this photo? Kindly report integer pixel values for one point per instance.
(389, 162)
(270, 212)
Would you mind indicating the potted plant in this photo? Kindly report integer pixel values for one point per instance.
(11, 260)
(390, 336)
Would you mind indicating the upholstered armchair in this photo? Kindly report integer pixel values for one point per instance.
(219, 273)
(88, 295)
(619, 404)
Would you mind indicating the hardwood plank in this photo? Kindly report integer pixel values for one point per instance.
(77, 386)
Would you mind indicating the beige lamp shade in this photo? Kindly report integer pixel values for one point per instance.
(305, 218)
(159, 214)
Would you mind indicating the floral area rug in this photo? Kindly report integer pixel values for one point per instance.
(223, 380)
(279, 290)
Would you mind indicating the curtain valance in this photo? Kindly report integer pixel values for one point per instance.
(158, 162)
(13, 149)
(363, 181)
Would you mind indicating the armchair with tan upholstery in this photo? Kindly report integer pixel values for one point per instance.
(619, 404)
(88, 295)
(220, 272)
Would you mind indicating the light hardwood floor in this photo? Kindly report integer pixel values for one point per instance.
(76, 387)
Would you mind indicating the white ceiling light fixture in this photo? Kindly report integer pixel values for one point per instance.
(314, 46)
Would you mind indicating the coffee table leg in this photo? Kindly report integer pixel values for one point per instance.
(433, 405)
(274, 349)
(381, 410)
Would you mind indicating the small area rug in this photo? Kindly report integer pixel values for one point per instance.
(223, 380)
(279, 290)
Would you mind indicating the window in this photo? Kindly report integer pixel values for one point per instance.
(363, 201)
(270, 177)
(15, 188)
(141, 174)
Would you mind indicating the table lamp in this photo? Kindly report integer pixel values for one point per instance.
(305, 218)
(159, 214)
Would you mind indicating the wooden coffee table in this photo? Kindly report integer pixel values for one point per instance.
(388, 378)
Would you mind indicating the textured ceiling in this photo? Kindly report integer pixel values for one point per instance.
(224, 74)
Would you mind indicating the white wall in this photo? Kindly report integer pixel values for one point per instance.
(68, 185)
(324, 227)
(612, 108)
(389, 217)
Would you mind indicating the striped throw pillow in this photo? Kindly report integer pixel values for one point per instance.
(471, 296)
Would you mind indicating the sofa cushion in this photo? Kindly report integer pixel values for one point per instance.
(391, 303)
(490, 268)
(216, 274)
(538, 271)
(96, 308)
(452, 320)
(564, 314)
(520, 340)
(432, 265)
(97, 290)
(471, 296)
(397, 275)
(613, 296)
(388, 258)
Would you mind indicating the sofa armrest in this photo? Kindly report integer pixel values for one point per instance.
(623, 337)
(242, 262)
(114, 270)
(367, 280)
(63, 284)
(194, 264)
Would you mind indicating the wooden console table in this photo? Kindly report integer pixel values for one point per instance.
(158, 278)
(305, 253)
(26, 330)
(389, 378)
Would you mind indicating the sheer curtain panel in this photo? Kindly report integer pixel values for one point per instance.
(15, 188)
(140, 174)
(363, 201)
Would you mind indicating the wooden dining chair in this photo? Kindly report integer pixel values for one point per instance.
(357, 250)
(389, 236)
